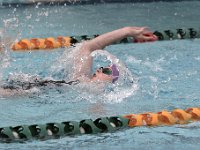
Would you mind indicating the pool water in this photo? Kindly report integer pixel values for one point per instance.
(167, 74)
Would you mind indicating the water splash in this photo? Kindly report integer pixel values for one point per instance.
(4, 54)
(127, 84)
(62, 68)
(95, 92)
(8, 34)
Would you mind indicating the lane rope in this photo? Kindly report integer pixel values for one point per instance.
(50, 43)
(105, 124)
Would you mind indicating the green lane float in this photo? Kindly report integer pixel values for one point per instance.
(66, 41)
(105, 124)
(55, 130)
(182, 33)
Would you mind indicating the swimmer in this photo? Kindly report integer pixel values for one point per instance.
(110, 73)
(82, 71)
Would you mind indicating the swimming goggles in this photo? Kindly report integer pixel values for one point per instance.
(106, 71)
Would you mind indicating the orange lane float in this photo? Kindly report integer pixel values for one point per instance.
(164, 118)
(38, 43)
(195, 113)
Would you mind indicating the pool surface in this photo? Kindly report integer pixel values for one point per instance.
(167, 74)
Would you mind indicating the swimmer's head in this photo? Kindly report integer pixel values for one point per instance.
(108, 74)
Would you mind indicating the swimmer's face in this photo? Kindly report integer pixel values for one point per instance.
(103, 74)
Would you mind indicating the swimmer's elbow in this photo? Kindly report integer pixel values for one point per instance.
(90, 46)
(86, 47)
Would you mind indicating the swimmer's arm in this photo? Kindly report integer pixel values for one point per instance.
(7, 42)
(84, 60)
(109, 38)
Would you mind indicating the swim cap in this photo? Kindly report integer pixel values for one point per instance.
(115, 72)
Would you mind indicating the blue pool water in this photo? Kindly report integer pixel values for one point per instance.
(167, 74)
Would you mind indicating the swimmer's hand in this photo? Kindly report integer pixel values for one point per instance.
(141, 34)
